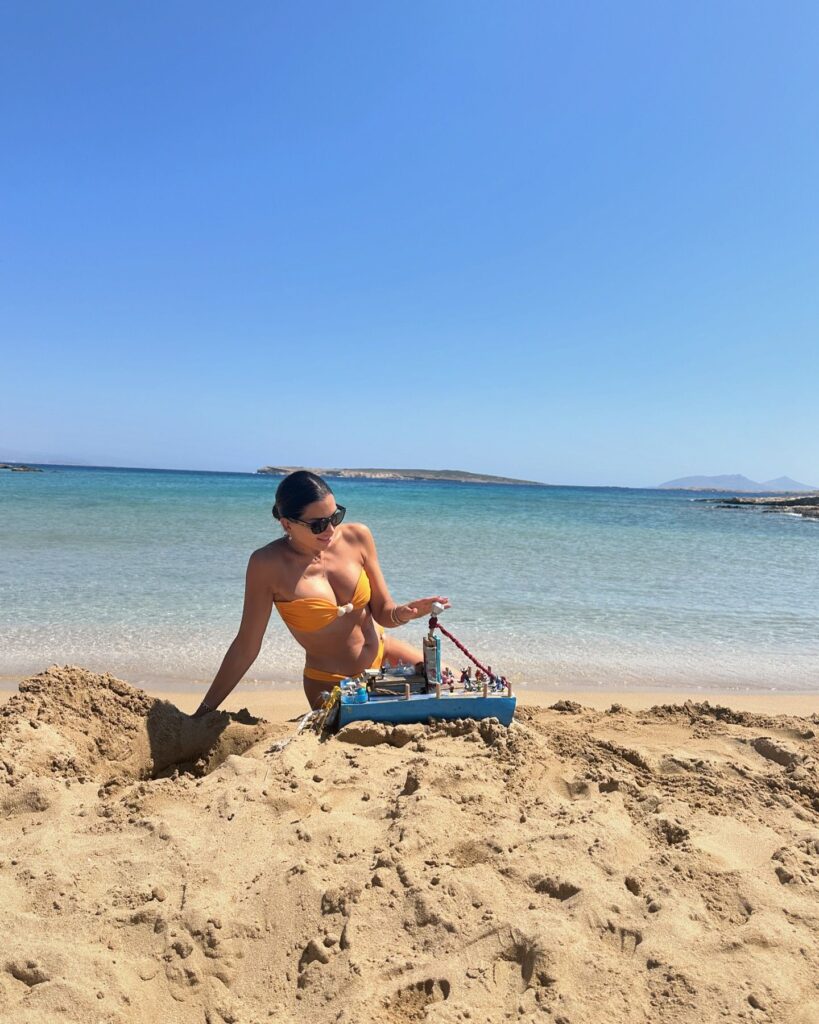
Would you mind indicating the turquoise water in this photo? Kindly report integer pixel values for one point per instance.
(141, 573)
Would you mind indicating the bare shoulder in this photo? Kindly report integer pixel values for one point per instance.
(359, 535)
(266, 562)
(271, 552)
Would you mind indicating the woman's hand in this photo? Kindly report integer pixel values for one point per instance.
(202, 710)
(404, 613)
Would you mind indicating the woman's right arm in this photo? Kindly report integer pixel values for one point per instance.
(248, 641)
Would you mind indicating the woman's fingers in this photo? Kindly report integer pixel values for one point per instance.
(425, 604)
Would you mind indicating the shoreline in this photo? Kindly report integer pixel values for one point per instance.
(277, 703)
(592, 681)
(278, 707)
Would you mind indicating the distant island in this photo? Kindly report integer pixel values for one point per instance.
(19, 468)
(451, 475)
(737, 482)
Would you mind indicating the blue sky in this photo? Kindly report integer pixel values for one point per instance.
(577, 243)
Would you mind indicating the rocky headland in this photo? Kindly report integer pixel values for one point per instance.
(449, 475)
(18, 468)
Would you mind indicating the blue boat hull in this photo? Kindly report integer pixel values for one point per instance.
(422, 706)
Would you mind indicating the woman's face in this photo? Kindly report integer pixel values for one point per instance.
(300, 531)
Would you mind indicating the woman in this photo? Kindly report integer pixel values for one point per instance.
(326, 583)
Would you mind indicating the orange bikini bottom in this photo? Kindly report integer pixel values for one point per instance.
(335, 677)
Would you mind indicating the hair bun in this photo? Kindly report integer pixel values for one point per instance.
(296, 492)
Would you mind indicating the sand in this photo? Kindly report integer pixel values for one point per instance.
(591, 863)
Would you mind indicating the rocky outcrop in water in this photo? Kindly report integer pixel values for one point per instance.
(806, 505)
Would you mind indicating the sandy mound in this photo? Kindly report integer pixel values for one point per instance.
(68, 722)
(578, 867)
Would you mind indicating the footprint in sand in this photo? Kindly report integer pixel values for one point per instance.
(27, 971)
(410, 1002)
(636, 889)
(623, 938)
(554, 888)
(511, 963)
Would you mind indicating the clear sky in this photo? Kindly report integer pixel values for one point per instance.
(572, 242)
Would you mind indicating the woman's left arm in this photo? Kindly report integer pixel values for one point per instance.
(384, 609)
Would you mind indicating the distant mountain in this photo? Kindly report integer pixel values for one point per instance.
(785, 483)
(735, 482)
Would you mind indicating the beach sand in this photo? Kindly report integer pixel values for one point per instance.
(592, 863)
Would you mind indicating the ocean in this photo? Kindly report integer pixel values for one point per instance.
(141, 573)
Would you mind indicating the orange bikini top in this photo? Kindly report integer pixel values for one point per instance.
(312, 613)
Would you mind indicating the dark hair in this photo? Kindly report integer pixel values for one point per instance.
(296, 492)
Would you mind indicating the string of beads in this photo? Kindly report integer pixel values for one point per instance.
(435, 624)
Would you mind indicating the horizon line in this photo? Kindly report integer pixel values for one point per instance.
(256, 473)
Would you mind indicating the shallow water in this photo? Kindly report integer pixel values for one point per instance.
(141, 573)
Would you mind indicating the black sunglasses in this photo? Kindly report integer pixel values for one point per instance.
(320, 525)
